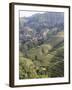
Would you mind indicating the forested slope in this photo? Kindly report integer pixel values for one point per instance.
(41, 46)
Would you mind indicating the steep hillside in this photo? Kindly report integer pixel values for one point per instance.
(41, 45)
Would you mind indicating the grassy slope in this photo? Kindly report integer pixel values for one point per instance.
(45, 60)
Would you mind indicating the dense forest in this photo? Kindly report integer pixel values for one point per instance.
(41, 45)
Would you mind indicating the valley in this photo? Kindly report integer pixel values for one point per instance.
(41, 46)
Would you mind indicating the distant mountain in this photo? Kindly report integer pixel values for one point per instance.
(45, 20)
(41, 26)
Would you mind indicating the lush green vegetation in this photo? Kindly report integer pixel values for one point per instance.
(41, 49)
(42, 62)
